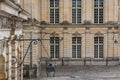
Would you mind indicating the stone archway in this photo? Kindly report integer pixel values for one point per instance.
(2, 67)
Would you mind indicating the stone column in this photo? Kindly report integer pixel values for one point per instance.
(10, 61)
(16, 52)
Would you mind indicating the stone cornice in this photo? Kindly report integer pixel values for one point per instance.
(78, 26)
(13, 9)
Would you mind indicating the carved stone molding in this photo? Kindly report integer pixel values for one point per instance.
(5, 22)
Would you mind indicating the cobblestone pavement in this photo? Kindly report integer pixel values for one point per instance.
(83, 73)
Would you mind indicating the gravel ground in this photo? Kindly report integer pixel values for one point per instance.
(83, 73)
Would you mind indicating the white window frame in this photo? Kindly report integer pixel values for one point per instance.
(54, 50)
(76, 44)
(98, 49)
(76, 8)
(54, 8)
(98, 8)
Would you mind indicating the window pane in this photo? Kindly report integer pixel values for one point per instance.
(79, 40)
(57, 40)
(73, 51)
(78, 3)
(76, 11)
(51, 3)
(95, 3)
(96, 51)
(57, 51)
(73, 3)
(96, 40)
(54, 47)
(73, 40)
(98, 11)
(52, 51)
(98, 47)
(76, 47)
(101, 3)
(73, 15)
(101, 40)
(56, 3)
(79, 51)
(54, 11)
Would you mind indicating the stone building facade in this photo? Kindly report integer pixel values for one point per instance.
(69, 32)
(76, 31)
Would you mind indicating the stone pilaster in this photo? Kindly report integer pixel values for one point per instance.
(87, 44)
(10, 61)
(67, 7)
(110, 45)
(116, 9)
(66, 44)
(44, 10)
(106, 16)
(116, 44)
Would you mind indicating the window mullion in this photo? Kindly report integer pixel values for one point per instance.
(76, 47)
(54, 11)
(76, 11)
(98, 47)
(98, 11)
(54, 48)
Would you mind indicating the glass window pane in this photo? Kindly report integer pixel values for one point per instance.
(98, 47)
(101, 3)
(98, 11)
(95, 3)
(79, 51)
(73, 40)
(73, 3)
(76, 11)
(79, 40)
(51, 3)
(76, 47)
(54, 47)
(54, 11)
(56, 3)
(78, 3)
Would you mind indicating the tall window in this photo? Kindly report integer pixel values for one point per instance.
(54, 47)
(98, 11)
(54, 11)
(98, 47)
(76, 47)
(76, 11)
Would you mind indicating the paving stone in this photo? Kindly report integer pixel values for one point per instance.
(83, 73)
